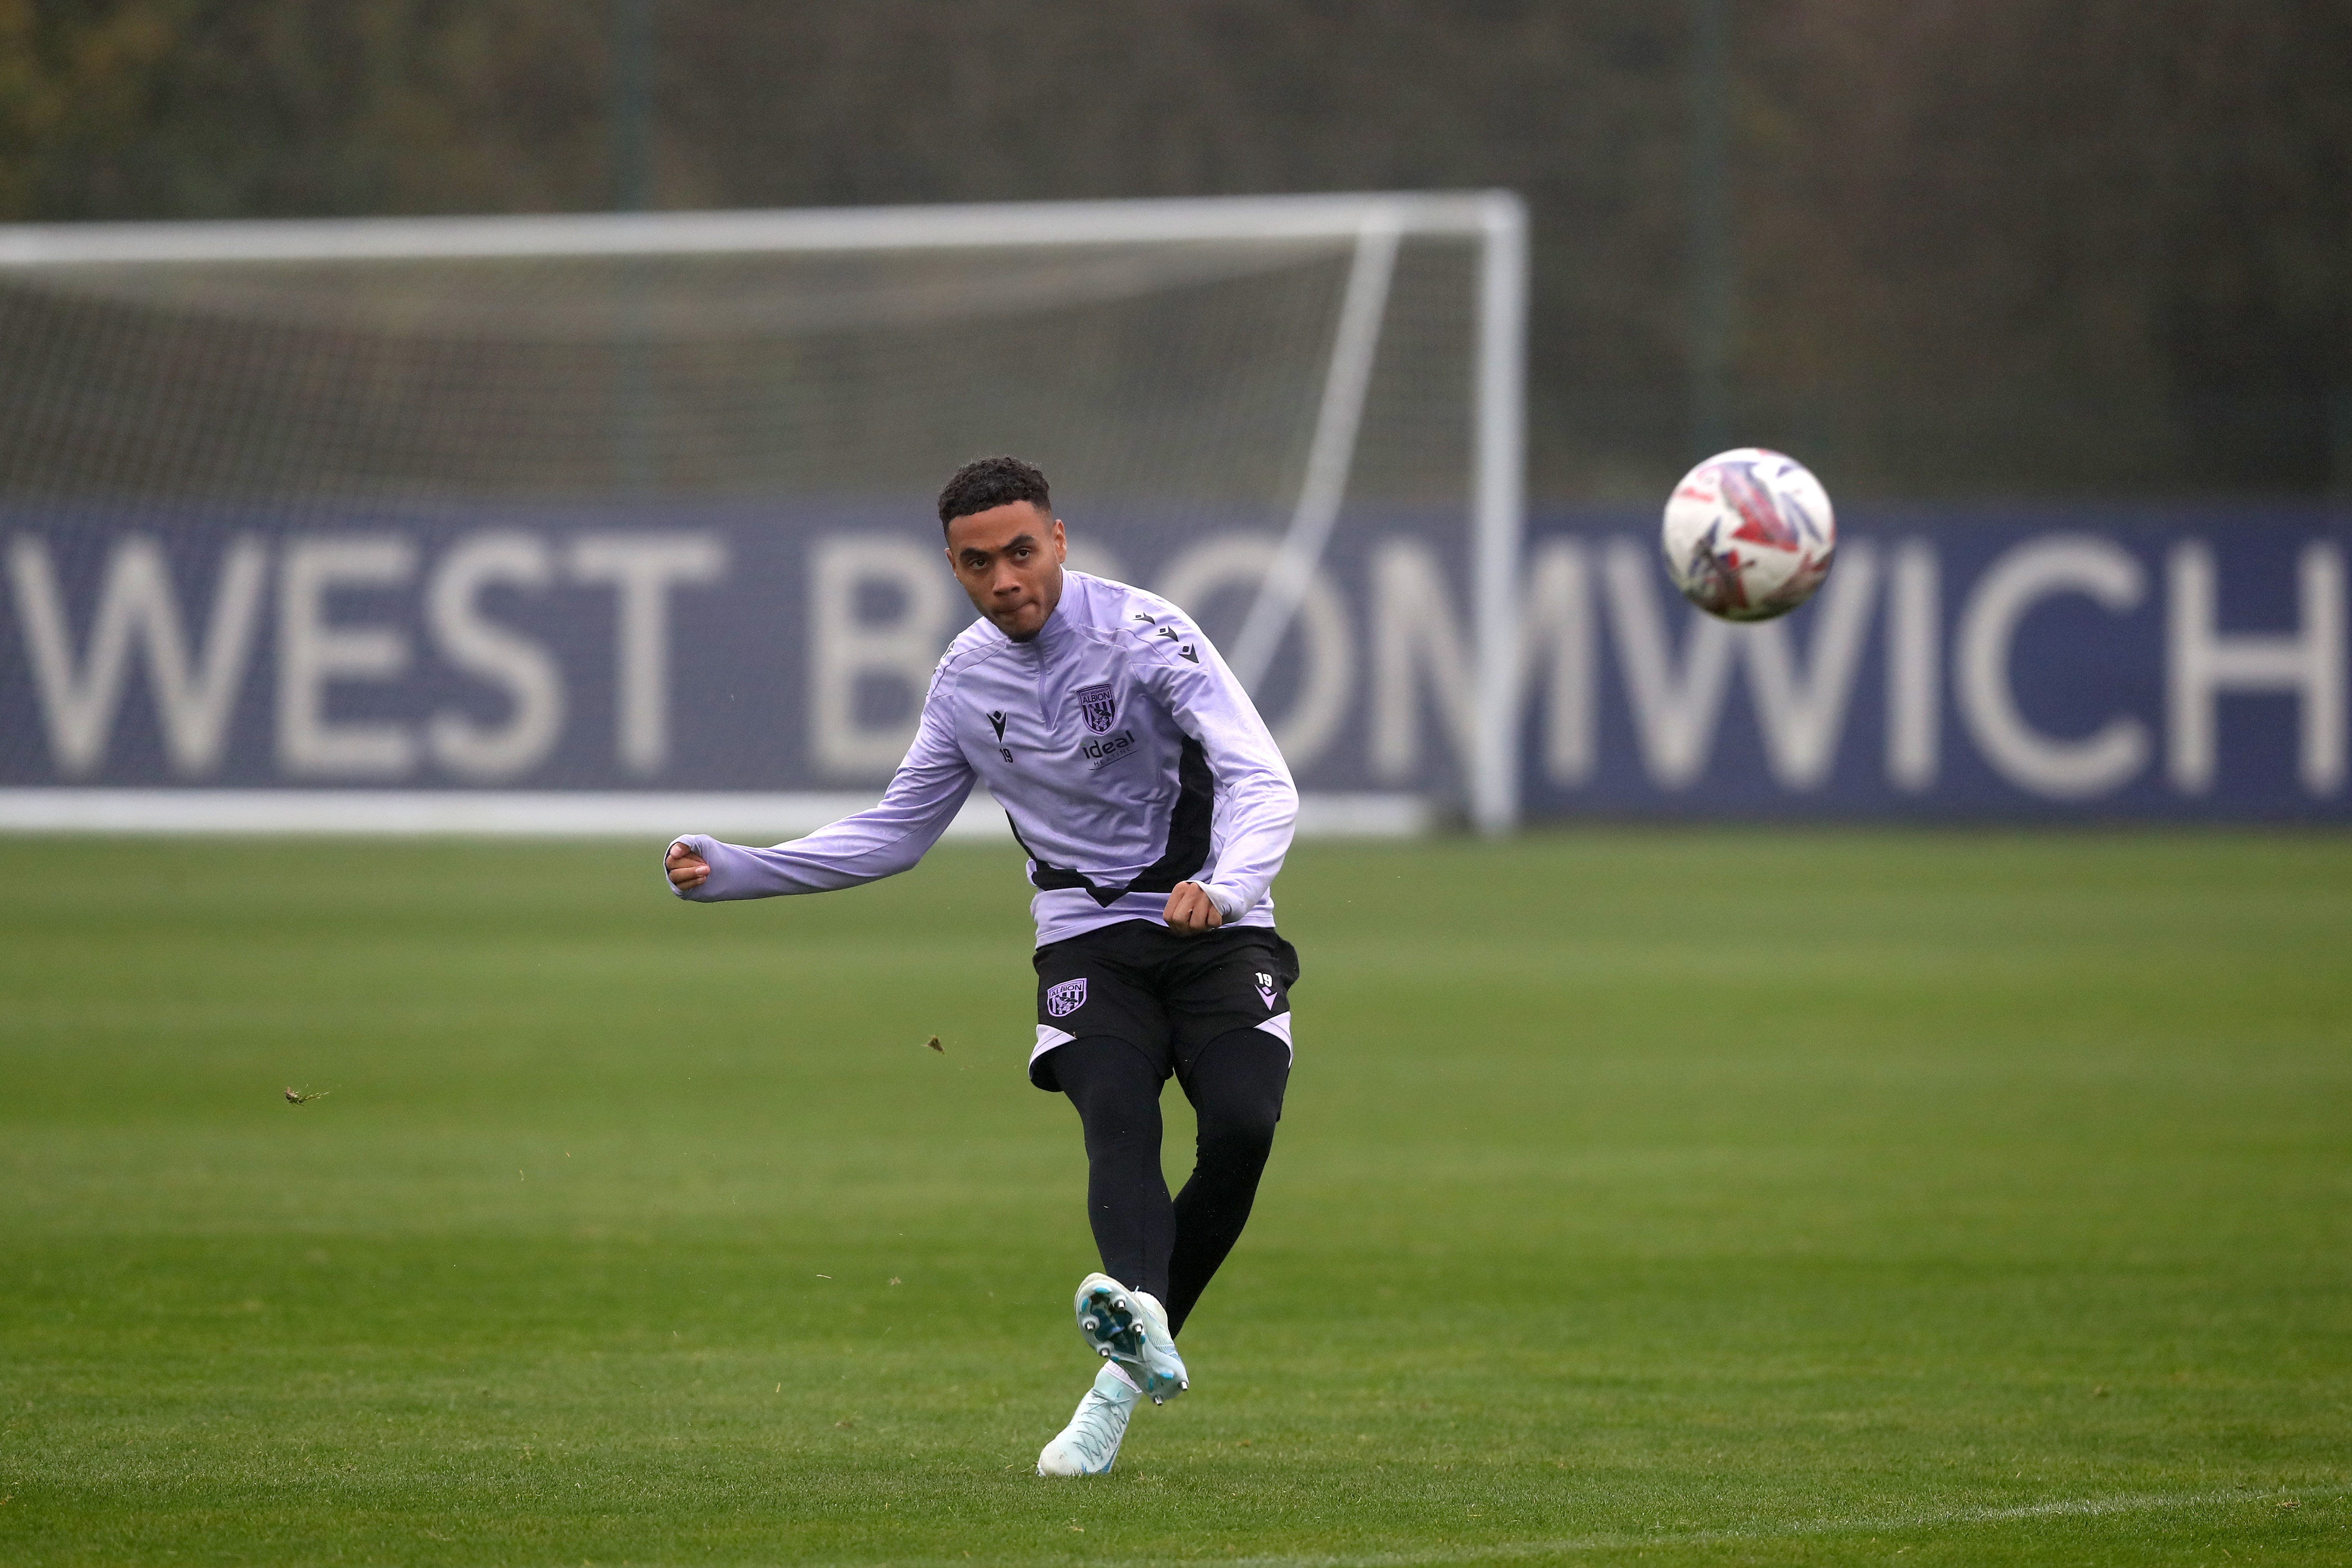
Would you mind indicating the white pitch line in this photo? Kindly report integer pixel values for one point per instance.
(1502, 1551)
(2144, 1502)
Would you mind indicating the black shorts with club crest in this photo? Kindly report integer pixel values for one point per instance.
(1165, 992)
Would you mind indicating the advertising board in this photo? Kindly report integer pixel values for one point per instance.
(2055, 664)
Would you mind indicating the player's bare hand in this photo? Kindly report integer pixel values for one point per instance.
(687, 870)
(1190, 909)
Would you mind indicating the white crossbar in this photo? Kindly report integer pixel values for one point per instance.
(1335, 217)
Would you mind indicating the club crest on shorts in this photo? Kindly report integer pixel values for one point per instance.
(1265, 990)
(1096, 706)
(1067, 998)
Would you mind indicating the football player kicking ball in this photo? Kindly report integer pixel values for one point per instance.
(1155, 811)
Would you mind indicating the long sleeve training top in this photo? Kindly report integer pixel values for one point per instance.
(1123, 750)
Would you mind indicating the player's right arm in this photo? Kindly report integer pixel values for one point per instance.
(924, 796)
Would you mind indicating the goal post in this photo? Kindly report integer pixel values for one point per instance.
(538, 506)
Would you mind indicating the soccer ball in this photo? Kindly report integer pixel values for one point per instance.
(1748, 534)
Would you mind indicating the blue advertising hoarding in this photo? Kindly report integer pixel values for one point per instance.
(2067, 663)
(2053, 664)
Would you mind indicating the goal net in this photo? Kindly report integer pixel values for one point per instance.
(414, 515)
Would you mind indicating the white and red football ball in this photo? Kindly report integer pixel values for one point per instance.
(1748, 534)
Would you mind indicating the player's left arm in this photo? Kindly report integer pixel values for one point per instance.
(1257, 803)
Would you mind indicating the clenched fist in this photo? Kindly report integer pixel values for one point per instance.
(1190, 910)
(687, 870)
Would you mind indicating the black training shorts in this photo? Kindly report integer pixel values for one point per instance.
(1163, 992)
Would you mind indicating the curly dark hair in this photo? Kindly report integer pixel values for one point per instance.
(986, 482)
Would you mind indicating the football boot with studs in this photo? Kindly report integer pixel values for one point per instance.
(1130, 1327)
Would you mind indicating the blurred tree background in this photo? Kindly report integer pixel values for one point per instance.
(1991, 248)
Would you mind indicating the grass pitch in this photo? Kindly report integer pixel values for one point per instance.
(1691, 1196)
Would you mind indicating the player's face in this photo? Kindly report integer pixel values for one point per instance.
(1009, 559)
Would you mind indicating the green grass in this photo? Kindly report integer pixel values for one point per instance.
(1689, 1196)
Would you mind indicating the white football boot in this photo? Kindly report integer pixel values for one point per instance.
(1130, 1327)
(1088, 1445)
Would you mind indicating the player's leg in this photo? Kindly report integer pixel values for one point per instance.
(1115, 1091)
(1235, 1083)
(1103, 1042)
(1228, 1000)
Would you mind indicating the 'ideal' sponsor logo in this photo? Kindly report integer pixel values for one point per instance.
(1108, 748)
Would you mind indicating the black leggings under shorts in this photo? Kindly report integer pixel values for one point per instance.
(1120, 1010)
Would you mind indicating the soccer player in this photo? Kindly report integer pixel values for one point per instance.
(1155, 811)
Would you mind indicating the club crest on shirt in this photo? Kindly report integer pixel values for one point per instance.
(1096, 706)
(1265, 990)
(1067, 998)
